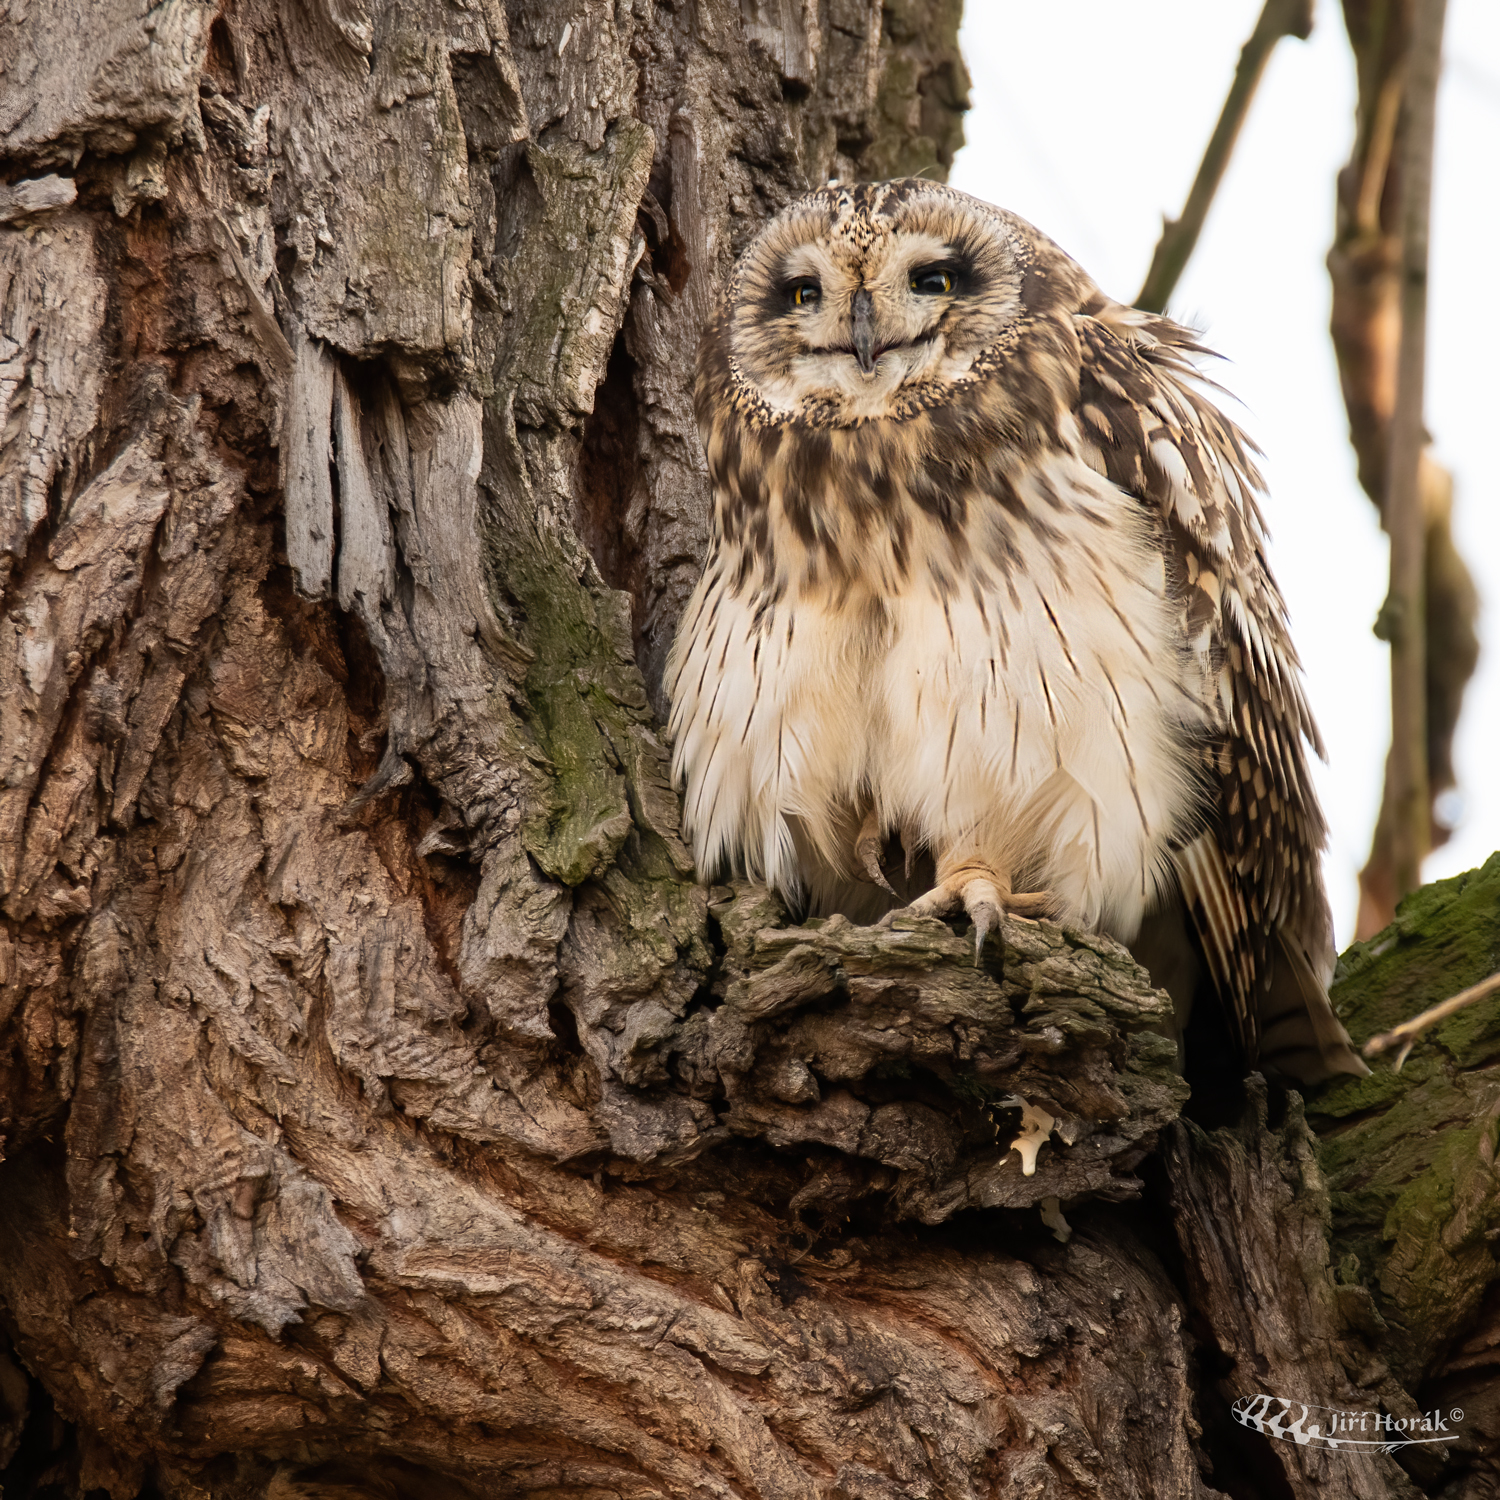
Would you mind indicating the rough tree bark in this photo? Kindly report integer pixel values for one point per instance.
(385, 1107)
(1365, 266)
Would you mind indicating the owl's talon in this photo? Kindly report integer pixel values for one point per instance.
(984, 896)
(985, 915)
(867, 849)
(982, 901)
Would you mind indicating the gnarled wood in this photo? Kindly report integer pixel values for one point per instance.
(385, 1106)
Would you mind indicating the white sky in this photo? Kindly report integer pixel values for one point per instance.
(1089, 118)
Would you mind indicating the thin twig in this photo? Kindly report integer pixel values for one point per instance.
(1279, 18)
(1405, 610)
(1407, 1032)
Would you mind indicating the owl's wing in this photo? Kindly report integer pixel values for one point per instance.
(1251, 881)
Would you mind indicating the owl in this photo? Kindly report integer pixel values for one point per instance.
(987, 581)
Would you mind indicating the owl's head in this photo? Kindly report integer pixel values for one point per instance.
(856, 301)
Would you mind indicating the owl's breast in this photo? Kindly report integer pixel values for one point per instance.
(983, 650)
(1039, 706)
(772, 718)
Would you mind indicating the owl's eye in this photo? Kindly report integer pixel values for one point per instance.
(804, 293)
(931, 281)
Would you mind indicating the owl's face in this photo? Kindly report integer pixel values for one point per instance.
(856, 295)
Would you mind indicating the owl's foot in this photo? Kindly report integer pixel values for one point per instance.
(867, 850)
(985, 896)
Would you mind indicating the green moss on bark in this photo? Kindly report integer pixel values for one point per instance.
(603, 819)
(1409, 1156)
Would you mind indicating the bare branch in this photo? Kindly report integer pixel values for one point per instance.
(1365, 266)
(1405, 1035)
(1279, 18)
(1404, 614)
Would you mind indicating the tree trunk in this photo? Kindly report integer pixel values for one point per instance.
(386, 1108)
(1365, 267)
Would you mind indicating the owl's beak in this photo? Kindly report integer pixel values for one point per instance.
(864, 330)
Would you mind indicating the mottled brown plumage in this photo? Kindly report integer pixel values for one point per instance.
(987, 573)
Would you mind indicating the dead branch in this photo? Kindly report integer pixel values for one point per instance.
(1365, 267)
(1405, 1035)
(1279, 18)
(1404, 613)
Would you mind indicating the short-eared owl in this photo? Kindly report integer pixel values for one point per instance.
(987, 575)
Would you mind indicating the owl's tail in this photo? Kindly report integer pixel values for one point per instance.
(1275, 990)
(1299, 1033)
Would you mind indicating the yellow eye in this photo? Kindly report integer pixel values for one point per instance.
(931, 281)
(805, 293)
